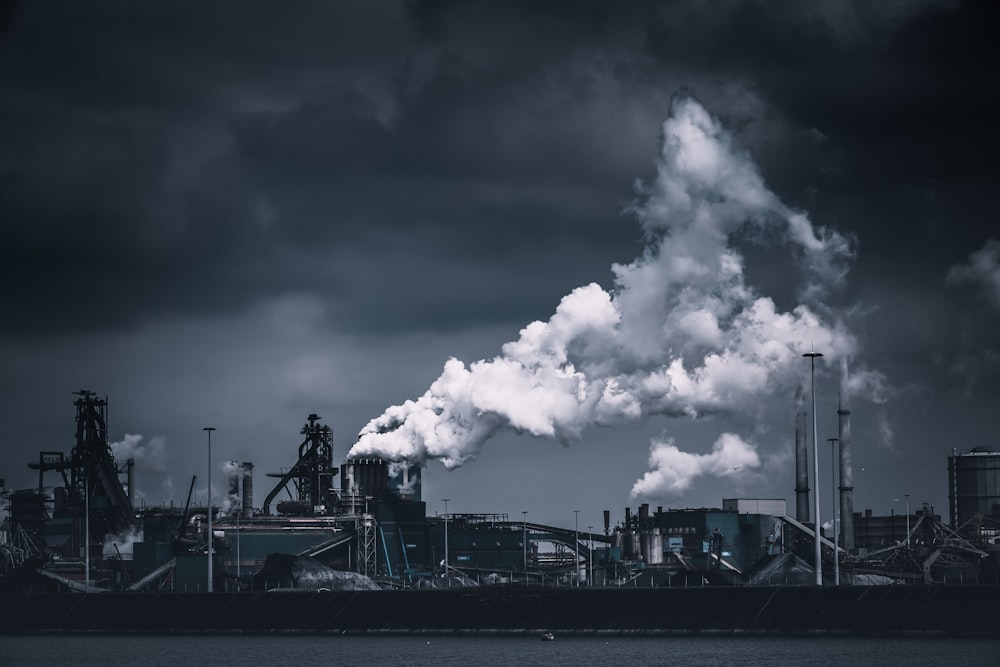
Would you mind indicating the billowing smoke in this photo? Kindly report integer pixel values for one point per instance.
(233, 474)
(672, 471)
(150, 456)
(681, 333)
(121, 543)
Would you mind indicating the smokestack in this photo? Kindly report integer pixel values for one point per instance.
(607, 522)
(801, 460)
(247, 490)
(846, 473)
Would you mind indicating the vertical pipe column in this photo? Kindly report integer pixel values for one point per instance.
(846, 480)
(816, 526)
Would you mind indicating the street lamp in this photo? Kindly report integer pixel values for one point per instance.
(445, 501)
(812, 372)
(86, 531)
(210, 537)
(833, 506)
(576, 546)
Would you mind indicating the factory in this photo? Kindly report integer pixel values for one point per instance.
(364, 525)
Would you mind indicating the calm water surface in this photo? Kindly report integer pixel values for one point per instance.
(271, 651)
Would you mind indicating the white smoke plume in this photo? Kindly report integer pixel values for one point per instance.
(673, 471)
(681, 333)
(123, 542)
(149, 456)
(232, 471)
(982, 270)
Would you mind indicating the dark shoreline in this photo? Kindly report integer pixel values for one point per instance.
(886, 611)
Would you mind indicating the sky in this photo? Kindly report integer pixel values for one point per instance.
(567, 255)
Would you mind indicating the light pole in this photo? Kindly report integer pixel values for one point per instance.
(210, 537)
(833, 508)
(445, 501)
(86, 531)
(907, 496)
(524, 519)
(812, 373)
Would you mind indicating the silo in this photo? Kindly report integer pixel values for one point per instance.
(635, 545)
(974, 484)
(655, 547)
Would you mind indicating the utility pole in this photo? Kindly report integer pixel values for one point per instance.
(833, 508)
(210, 536)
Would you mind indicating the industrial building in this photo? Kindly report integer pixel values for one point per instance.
(364, 524)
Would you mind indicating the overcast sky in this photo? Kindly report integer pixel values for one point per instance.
(236, 214)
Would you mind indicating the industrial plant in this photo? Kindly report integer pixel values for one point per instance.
(364, 525)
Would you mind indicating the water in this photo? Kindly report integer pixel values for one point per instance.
(267, 651)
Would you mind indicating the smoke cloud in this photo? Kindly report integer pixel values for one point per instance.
(681, 334)
(121, 543)
(673, 471)
(149, 456)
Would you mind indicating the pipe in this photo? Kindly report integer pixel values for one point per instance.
(846, 479)
(816, 538)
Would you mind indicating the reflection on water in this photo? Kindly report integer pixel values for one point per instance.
(265, 651)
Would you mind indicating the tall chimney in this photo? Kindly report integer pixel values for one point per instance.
(846, 470)
(247, 490)
(801, 459)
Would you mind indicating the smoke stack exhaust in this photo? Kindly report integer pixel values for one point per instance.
(801, 460)
(846, 470)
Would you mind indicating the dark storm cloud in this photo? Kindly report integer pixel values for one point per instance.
(209, 156)
(178, 182)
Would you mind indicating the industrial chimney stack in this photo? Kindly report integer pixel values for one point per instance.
(801, 460)
(846, 478)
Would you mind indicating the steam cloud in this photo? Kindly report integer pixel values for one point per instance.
(673, 471)
(149, 456)
(681, 334)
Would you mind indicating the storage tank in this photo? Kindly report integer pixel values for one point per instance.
(634, 545)
(974, 484)
(655, 556)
